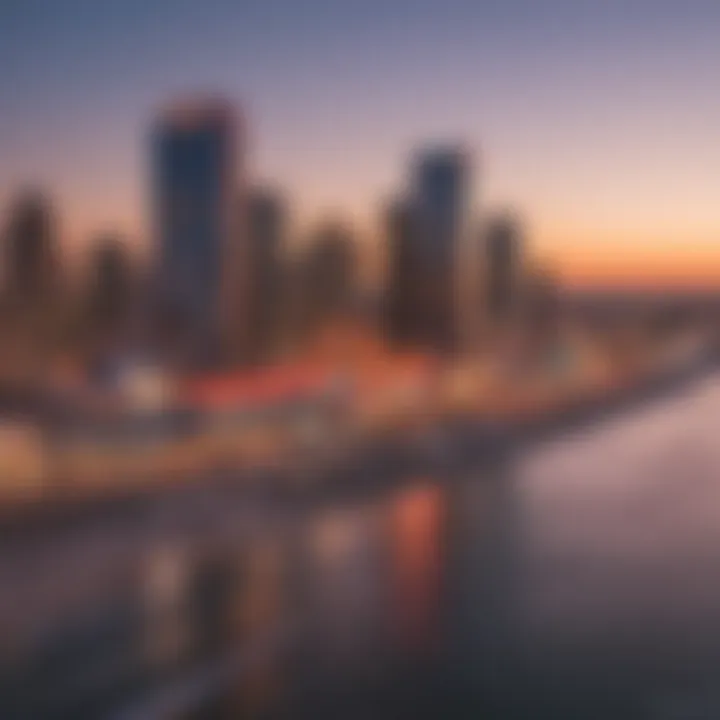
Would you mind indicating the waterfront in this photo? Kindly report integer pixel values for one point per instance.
(571, 578)
(579, 581)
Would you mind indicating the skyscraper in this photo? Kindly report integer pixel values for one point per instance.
(502, 243)
(440, 197)
(403, 283)
(199, 268)
(32, 256)
(328, 277)
(110, 287)
(266, 226)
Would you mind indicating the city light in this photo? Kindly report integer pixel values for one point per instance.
(359, 360)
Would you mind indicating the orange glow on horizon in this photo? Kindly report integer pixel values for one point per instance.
(641, 257)
(687, 269)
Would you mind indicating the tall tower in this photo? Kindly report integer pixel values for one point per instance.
(32, 261)
(328, 277)
(502, 244)
(195, 158)
(440, 197)
(110, 287)
(266, 220)
(403, 283)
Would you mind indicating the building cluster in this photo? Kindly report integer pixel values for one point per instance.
(44, 311)
(222, 287)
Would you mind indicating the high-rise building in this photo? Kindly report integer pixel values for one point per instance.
(110, 287)
(440, 197)
(199, 270)
(403, 283)
(502, 244)
(328, 278)
(266, 220)
(32, 263)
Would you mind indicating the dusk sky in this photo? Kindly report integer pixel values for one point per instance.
(598, 119)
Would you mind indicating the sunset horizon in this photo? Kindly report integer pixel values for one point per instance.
(595, 125)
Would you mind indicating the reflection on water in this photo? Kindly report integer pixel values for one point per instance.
(416, 536)
(575, 580)
(376, 587)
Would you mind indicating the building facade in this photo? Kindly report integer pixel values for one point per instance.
(196, 157)
(266, 223)
(328, 278)
(502, 277)
(32, 263)
(403, 289)
(440, 195)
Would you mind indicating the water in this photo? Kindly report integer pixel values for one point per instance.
(576, 579)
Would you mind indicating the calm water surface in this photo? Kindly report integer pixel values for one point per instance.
(580, 579)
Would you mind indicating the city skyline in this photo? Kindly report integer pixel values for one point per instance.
(595, 124)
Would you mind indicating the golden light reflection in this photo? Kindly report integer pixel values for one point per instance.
(417, 520)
